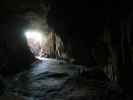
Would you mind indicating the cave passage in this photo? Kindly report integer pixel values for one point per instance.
(66, 50)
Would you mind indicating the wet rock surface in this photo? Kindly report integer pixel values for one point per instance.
(58, 80)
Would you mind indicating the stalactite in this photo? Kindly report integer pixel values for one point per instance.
(53, 47)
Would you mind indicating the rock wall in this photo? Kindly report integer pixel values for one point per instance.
(14, 52)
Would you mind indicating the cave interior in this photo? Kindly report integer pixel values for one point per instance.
(98, 38)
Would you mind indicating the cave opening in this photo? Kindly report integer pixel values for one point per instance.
(34, 41)
(44, 45)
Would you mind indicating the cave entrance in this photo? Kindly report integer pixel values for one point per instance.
(44, 45)
(34, 41)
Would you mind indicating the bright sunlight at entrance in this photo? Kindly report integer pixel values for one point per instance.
(34, 41)
(44, 45)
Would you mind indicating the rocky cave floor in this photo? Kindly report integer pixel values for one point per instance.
(52, 79)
